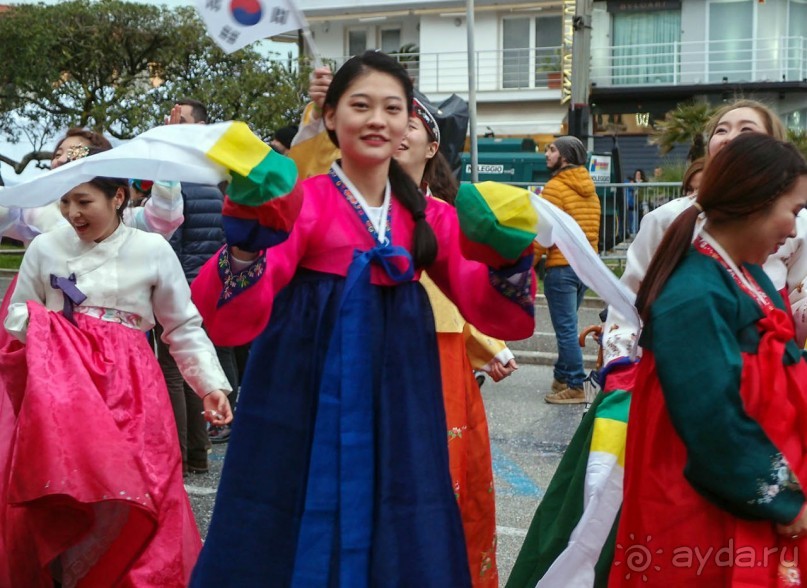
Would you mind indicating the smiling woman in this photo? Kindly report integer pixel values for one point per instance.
(341, 421)
(94, 209)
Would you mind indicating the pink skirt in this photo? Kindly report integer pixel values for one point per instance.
(94, 491)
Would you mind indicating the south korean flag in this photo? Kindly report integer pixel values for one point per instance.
(234, 24)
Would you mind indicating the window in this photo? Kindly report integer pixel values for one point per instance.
(530, 50)
(390, 40)
(548, 41)
(646, 47)
(797, 120)
(796, 42)
(516, 53)
(731, 32)
(356, 41)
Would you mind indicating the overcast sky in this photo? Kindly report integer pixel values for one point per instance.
(16, 151)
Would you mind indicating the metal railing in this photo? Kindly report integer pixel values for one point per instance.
(698, 62)
(623, 207)
(538, 68)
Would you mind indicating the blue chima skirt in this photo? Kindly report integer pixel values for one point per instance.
(260, 533)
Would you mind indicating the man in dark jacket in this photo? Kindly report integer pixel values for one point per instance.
(198, 238)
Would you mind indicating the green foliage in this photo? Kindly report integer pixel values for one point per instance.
(10, 260)
(799, 138)
(117, 67)
(685, 124)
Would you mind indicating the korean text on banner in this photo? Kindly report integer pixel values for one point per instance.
(234, 24)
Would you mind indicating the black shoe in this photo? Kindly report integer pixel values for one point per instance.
(219, 434)
(198, 467)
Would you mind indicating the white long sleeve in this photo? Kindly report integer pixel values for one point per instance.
(162, 213)
(132, 271)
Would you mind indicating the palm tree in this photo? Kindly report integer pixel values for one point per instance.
(799, 138)
(685, 124)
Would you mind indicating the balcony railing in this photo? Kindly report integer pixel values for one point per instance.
(505, 70)
(744, 60)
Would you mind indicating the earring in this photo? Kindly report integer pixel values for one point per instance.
(117, 207)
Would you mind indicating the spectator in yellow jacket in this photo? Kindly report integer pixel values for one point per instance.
(572, 190)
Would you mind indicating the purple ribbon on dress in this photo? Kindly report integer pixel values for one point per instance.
(72, 295)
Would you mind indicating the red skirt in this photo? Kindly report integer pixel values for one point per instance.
(670, 535)
(94, 491)
(469, 458)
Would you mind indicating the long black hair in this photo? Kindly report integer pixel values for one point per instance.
(424, 242)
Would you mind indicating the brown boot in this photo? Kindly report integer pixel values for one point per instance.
(567, 396)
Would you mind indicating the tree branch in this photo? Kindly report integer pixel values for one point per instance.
(19, 166)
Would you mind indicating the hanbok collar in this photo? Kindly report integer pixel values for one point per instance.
(116, 236)
(380, 223)
(90, 256)
(740, 275)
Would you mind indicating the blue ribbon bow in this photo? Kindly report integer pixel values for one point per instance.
(337, 521)
(72, 295)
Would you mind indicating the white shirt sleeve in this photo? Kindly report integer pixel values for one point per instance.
(162, 212)
(187, 341)
(29, 287)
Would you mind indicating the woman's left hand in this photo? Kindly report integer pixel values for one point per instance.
(217, 408)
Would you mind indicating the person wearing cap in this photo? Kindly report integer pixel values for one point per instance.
(571, 189)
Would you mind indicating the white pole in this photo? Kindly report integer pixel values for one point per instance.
(469, 18)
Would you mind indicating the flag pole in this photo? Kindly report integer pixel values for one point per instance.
(469, 19)
(316, 59)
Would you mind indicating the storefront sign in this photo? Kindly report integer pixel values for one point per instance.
(600, 168)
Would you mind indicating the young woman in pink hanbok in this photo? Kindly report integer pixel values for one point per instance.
(337, 470)
(94, 493)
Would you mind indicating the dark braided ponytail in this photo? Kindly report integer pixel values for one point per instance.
(424, 242)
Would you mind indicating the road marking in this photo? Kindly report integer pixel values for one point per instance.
(511, 531)
(508, 471)
(199, 490)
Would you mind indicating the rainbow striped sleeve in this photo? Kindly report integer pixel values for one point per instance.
(497, 223)
(264, 197)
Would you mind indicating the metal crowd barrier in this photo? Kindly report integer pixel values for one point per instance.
(623, 207)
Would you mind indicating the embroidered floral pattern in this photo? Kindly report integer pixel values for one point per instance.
(789, 574)
(780, 478)
(456, 432)
(234, 284)
(487, 558)
(518, 293)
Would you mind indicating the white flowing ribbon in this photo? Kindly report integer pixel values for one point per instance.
(168, 153)
(555, 227)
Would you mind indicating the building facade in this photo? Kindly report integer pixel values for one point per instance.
(646, 55)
